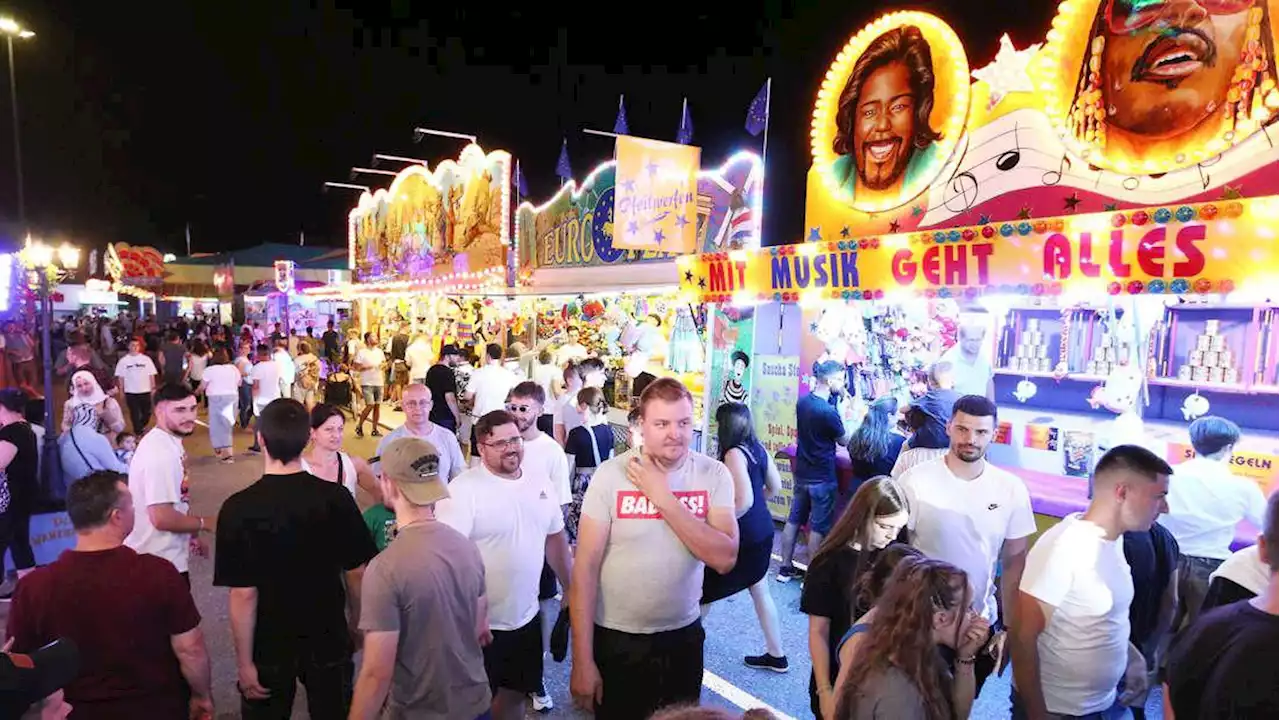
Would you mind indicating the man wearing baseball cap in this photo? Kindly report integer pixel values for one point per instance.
(443, 384)
(31, 684)
(424, 613)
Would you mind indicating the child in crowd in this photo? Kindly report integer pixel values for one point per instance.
(126, 444)
(381, 521)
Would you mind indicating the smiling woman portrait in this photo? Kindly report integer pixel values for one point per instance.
(1160, 80)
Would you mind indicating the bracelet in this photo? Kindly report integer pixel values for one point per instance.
(201, 524)
(967, 661)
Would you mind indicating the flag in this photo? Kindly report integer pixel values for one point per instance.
(620, 124)
(685, 137)
(563, 170)
(758, 113)
(522, 187)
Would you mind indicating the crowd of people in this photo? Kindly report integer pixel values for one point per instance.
(506, 527)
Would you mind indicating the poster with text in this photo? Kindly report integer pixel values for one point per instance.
(656, 205)
(1262, 468)
(773, 406)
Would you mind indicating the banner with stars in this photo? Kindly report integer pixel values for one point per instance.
(656, 203)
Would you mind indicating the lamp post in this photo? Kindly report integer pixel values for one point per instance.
(11, 30)
(46, 261)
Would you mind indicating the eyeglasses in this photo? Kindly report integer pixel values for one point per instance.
(519, 408)
(1126, 16)
(415, 403)
(512, 442)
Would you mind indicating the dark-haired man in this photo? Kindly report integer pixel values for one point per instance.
(1206, 503)
(141, 648)
(287, 545)
(136, 378)
(1225, 665)
(514, 518)
(443, 384)
(652, 521)
(971, 513)
(820, 427)
(159, 484)
(488, 388)
(1070, 635)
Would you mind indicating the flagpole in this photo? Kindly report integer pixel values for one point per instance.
(768, 97)
(188, 239)
(684, 113)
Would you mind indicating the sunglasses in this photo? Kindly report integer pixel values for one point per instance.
(518, 408)
(1126, 16)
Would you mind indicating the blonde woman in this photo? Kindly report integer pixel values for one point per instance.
(587, 446)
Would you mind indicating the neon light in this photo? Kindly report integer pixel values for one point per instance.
(6, 280)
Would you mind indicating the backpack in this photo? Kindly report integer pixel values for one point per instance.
(309, 377)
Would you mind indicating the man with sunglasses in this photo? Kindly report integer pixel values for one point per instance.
(417, 403)
(514, 518)
(543, 458)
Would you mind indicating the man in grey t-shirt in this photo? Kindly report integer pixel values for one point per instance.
(652, 520)
(424, 612)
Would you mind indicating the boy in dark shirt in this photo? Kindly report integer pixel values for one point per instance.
(931, 412)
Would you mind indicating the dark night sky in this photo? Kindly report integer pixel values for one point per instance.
(138, 117)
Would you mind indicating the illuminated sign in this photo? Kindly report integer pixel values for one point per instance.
(284, 275)
(135, 265)
(576, 227)
(1186, 249)
(451, 221)
(654, 202)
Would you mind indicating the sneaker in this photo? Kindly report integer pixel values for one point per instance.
(541, 700)
(359, 431)
(787, 574)
(375, 433)
(255, 449)
(766, 662)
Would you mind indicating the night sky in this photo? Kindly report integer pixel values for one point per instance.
(139, 117)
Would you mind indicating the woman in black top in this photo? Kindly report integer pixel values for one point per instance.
(755, 478)
(19, 486)
(875, 517)
(587, 446)
(875, 444)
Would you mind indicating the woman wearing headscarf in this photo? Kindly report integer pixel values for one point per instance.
(90, 406)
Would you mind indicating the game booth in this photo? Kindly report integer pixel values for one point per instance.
(1118, 268)
(623, 305)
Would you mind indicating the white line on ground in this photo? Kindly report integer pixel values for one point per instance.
(800, 565)
(739, 697)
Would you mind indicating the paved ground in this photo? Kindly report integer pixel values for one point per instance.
(732, 629)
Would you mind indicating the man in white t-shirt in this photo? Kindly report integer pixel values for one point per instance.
(419, 357)
(265, 379)
(158, 483)
(572, 351)
(652, 522)
(970, 513)
(1206, 503)
(371, 363)
(970, 365)
(488, 387)
(417, 423)
(136, 378)
(514, 519)
(543, 458)
(1070, 638)
(288, 369)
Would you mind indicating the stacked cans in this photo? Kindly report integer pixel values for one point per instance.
(1211, 360)
(1109, 352)
(1032, 351)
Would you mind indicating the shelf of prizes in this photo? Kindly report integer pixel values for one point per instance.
(1078, 356)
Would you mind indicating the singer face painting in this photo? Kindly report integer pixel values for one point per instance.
(883, 137)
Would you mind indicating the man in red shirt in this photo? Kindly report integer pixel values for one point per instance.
(142, 654)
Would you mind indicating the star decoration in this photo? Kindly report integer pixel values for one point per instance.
(1008, 72)
(658, 237)
(1230, 192)
(653, 168)
(984, 219)
(688, 276)
(813, 327)
(681, 221)
(1071, 202)
(844, 231)
(702, 283)
(815, 234)
(1110, 207)
(633, 227)
(894, 225)
(916, 211)
(1024, 213)
(629, 185)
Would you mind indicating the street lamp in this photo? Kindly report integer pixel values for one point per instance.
(46, 262)
(11, 30)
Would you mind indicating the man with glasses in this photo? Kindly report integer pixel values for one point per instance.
(417, 405)
(514, 519)
(543, 458)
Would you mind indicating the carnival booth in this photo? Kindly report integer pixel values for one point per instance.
(1121, 277)
(587, 293)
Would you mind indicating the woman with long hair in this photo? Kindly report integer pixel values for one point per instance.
(755, 478)
(587, 446)
(867, 591)
(898, 672)
(875, 444)
(874, 518)
(220, 382)
(325, 458)
(19, 484)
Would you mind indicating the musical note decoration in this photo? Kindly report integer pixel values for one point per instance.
(1007, 73)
